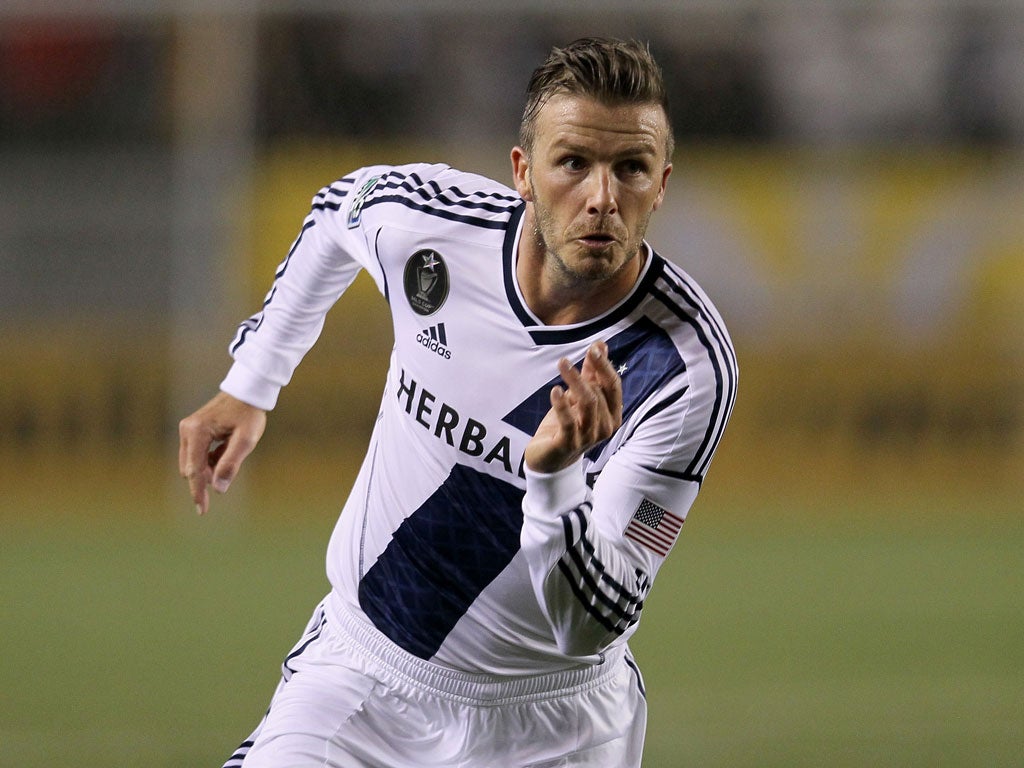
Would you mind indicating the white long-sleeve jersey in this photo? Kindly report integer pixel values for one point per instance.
(448, 544)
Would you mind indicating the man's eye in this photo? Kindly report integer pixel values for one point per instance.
(573, 163)
(634, 167)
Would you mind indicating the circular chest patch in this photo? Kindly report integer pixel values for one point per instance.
(426, 281)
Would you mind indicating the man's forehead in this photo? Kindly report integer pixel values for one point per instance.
(565, 118)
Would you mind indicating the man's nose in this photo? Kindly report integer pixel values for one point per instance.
(601, 192)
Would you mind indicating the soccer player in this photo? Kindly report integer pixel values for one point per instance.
(555, 394)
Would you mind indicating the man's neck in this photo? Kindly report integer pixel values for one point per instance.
(554, 297)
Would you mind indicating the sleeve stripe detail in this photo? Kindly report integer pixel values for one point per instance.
(433, 198)
(447, 203)
(675, 475)
(439, 212)
(723, 361)
(235, 761)
(324, 206)
(582, 597)
(309, 223)
(320, 199)
(253, 323)
(512, 199)
(613, 605)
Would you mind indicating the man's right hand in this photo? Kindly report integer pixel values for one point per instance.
(214, 441)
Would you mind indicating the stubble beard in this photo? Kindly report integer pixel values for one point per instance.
(571, 276)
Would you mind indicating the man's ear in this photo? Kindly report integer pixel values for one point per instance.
(521, 173)
(664, 185)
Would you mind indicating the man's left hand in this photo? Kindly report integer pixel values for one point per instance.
(587, 410)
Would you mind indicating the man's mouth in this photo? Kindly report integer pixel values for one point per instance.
(597, 239)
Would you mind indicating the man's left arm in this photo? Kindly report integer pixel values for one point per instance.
(593, 554)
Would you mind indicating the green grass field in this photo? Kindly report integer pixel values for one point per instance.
(822, 629)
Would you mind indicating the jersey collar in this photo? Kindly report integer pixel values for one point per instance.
(544, 334)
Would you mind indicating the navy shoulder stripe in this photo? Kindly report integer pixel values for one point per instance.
(686, 303)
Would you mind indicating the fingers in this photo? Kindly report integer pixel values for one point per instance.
(599, 370)
(213, 443)
(589, 408)
(595, 392)
(562, 408)
(227, 459)
(584, 412)
(193, 465)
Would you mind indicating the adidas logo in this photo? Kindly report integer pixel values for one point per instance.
(435, 339)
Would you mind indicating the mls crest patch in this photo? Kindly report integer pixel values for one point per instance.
(426, 282)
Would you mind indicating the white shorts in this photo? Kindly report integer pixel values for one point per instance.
(349, 698)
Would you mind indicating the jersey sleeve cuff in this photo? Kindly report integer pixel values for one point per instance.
(249, 387)
(554, 492)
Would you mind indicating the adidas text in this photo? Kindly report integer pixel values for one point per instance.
(434, 339)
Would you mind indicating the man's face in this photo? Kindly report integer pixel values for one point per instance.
(595, 175)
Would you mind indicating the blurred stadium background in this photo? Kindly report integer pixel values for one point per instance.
(848, 186)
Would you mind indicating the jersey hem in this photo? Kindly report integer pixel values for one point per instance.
(474, 688)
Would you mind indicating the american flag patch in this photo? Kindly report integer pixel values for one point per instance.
(654, 527)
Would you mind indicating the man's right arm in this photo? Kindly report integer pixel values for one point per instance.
(323, 261)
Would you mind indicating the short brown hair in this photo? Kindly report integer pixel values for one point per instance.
(608, 70)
